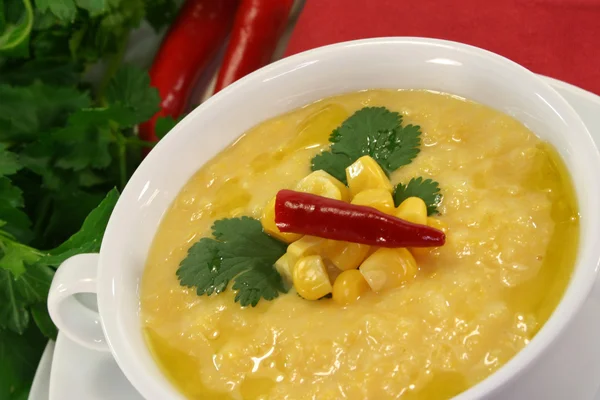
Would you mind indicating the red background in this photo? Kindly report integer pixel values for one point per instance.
(557, 38)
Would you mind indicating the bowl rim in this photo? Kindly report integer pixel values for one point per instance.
(561, 316)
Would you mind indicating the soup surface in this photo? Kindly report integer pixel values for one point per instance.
(478, 300)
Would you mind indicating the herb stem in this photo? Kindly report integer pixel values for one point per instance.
(134, 141)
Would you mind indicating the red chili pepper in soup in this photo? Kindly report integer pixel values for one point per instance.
(309, 214)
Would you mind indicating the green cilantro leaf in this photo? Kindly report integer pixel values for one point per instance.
(399, 148)
(354, 136)
(426, 189)
(372, 131)
(260, 282)
(89, 237)
(199, 268)
(334, 163)
(241, 252)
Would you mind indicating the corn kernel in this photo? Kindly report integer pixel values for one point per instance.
(365, 174)
(310, 278)
(413, 210)
(437, 224)
(323, 184)
(349, 286)
(332, 270)
(268, 223)
(345, 255)
(283, 267)
(419, 252)
(306, 246)
(389, 268)
(379, 199)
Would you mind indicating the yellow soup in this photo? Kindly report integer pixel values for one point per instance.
(513, 228)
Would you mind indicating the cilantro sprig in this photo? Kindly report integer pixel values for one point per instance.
(373, 131)
(426, 189)
(240, 252)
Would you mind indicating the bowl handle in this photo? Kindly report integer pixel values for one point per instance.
(79, 322)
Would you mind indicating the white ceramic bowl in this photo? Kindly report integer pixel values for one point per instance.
(407, 63)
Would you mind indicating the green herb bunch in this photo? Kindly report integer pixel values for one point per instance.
(67, 146)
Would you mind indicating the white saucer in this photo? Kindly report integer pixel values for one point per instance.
(40, 389)
(570, 370)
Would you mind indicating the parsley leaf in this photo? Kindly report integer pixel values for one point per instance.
(94, 7)
(426, 189)
(13, 312)
(372, 131)
(15, 257)
(241, 252)
(42, 319)
(86, 141)
(130, 88)
(25, 111)
(46, 71)
(89, 237)
(25, 273)
(66, 10)
(10, 193)
(63, 9)
(9, 164)
(34, 284)
(14, 221)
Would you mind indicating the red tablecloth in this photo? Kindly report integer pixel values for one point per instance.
(557, 38)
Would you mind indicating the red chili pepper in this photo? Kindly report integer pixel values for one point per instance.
(309, 214)
(193, 39)
(257, 28)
